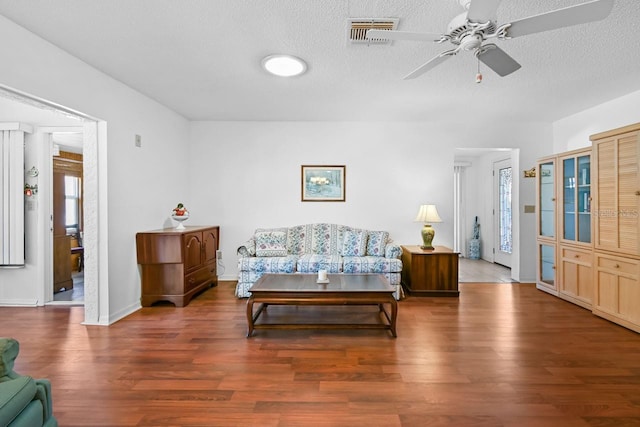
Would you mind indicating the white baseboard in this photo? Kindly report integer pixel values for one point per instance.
(114, 317)
(18, 302)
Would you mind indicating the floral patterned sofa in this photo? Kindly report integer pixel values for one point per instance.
(311, 247)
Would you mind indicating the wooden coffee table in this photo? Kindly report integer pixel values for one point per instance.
(303, 289)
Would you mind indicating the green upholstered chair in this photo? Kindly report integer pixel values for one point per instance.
(23, 400)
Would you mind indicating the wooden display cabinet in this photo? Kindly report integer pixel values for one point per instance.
(616, 204)
(177, 264)
(430, 272)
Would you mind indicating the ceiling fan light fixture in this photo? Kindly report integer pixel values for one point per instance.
(284, 65)
(471, 42)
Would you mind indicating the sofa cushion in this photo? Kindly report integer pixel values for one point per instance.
(285, 264)
(371, 264)
(311, 263)
(299, 239)
(376, 242)
(325, 239)
(354, 242)
(271, 243)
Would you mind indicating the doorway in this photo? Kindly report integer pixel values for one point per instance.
(502, 213)
(95, 201)
(474, 199)
(68, 219)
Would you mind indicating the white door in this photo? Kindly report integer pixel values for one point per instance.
(502, 242)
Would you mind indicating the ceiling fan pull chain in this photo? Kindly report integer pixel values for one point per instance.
(479, 74)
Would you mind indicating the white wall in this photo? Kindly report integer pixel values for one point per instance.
(244, 175)
(247, 175)
(143, 183)
(573, 132)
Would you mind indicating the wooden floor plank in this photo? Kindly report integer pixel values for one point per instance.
(501, 355)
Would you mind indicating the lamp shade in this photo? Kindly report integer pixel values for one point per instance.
(428, 214)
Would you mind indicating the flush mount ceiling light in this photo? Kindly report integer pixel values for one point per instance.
(284, 65)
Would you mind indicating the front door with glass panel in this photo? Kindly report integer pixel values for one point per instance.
(502, 175)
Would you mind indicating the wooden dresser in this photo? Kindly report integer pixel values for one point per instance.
(177, 264)
(430, 272)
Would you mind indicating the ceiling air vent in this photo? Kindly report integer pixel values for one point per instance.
(358, 28)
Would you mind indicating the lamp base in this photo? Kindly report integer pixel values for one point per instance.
(427, 248)
(428, 234)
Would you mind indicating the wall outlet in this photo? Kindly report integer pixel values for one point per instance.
(219, 254)
(138, 141)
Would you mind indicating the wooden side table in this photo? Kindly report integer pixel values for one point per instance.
(431, 273)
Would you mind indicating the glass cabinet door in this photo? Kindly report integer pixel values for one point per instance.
(569, 199)
(583, 178)
(576, 199)
(547, 202)
(547, 257)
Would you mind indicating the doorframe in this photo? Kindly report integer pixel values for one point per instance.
(96, 304)
(478, 180)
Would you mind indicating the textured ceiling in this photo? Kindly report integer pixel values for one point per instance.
(201, 58)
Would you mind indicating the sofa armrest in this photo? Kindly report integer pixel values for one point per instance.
(43, 393)
(391, 250)
(247, 249)
(15, 395)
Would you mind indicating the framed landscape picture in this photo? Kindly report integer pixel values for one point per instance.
(323, 183)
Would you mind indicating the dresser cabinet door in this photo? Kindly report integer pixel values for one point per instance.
(576, 276)
(617, 290)
(210, 239)
(192, 250)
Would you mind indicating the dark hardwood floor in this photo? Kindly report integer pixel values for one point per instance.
(500, 355)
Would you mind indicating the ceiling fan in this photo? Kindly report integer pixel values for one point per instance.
(469, 31)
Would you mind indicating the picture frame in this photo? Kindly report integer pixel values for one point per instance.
(323, 183)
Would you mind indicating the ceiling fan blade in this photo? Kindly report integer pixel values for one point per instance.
(483, 10)
(566, 17)
(498, 60)
(402, 35)
(432, 63)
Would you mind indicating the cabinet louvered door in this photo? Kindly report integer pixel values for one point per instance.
(617, 195)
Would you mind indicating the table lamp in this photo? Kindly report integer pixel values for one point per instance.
(428, 214)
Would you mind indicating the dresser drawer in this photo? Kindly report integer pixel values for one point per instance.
(571, 254)
(198, 277)
(617, 265)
